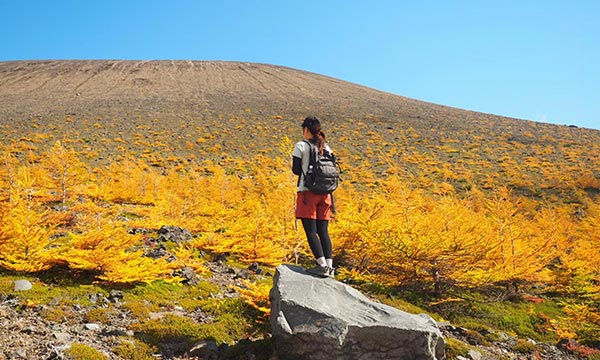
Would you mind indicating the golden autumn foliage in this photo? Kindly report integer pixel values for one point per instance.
(112, 253)
(64, 170)
(26, 242)
(389, 229)
(257, 296)
(386, 227)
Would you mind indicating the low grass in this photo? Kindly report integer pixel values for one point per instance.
(521, 318)
(176, 329)
(43, 293)
(164, 294)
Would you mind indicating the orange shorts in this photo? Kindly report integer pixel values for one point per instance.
(313, 206)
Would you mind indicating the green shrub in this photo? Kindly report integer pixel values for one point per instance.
(140, 309)
(79, 351)
(164, 294)
(135, 350)
(455, 348)
(227, 328)
(54, 314)
(98, 315)
(171, 328)
(521, 318)
(224, 306)
(159, 293)
(524, 347)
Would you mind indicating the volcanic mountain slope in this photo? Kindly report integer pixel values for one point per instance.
(190, 89)
(214, 109)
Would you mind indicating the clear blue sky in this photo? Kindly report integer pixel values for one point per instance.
(535, 60)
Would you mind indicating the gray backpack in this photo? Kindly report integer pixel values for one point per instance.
(323, 171)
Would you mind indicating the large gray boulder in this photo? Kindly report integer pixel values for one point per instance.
(314, 318)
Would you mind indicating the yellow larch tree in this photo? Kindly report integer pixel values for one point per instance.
(7, 173)
(65, 171)
(578, 268)
(254, 221)
(114, 254)
(522, 245)
(26, 242)
(367, 223)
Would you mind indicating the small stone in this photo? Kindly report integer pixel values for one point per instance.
(28, 329)
(255, 268)
(93, 298)
(21, 353)
(62, 337)
(204, 350)
(115, 295)
(92, 327)
(22, 285)
(474, 355)
(243, 274)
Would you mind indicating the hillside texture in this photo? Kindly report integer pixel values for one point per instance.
(190, 110)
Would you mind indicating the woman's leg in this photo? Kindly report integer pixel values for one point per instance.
(323, 232)
(310, 228)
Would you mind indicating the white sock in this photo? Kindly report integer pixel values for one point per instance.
(329, 262)
(321, 261)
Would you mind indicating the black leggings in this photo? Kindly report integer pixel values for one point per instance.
(317, 235)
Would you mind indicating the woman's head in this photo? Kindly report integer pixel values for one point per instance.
(312, 128)
(312, 124)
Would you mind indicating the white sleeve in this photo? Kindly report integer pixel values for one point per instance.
(298, 149)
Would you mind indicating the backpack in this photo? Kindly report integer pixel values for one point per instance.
(323, 174)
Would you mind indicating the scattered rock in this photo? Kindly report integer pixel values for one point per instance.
(474, 355)
(188, 275)
(135, 231)
(255, 268)
(174, 234)
(115, 295)
(62, 337)
(206, 350)
(93, 298)
(92, 327)
(157, 251)
(242, 274)
(20, 353)
(23, 285)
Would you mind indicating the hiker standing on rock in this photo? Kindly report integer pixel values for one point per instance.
(314, 207)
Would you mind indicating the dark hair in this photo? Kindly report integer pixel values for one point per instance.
(314, 126)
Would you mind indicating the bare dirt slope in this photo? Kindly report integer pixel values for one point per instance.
(181, 88)
(196, 90)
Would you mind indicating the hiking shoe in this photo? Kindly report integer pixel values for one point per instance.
(318, 270)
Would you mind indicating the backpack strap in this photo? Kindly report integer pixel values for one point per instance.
(312, 156)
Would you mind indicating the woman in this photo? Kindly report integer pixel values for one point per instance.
(313, 209)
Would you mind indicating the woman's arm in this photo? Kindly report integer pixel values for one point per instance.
(296, 165)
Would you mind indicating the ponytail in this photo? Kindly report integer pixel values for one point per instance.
(318, 137)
